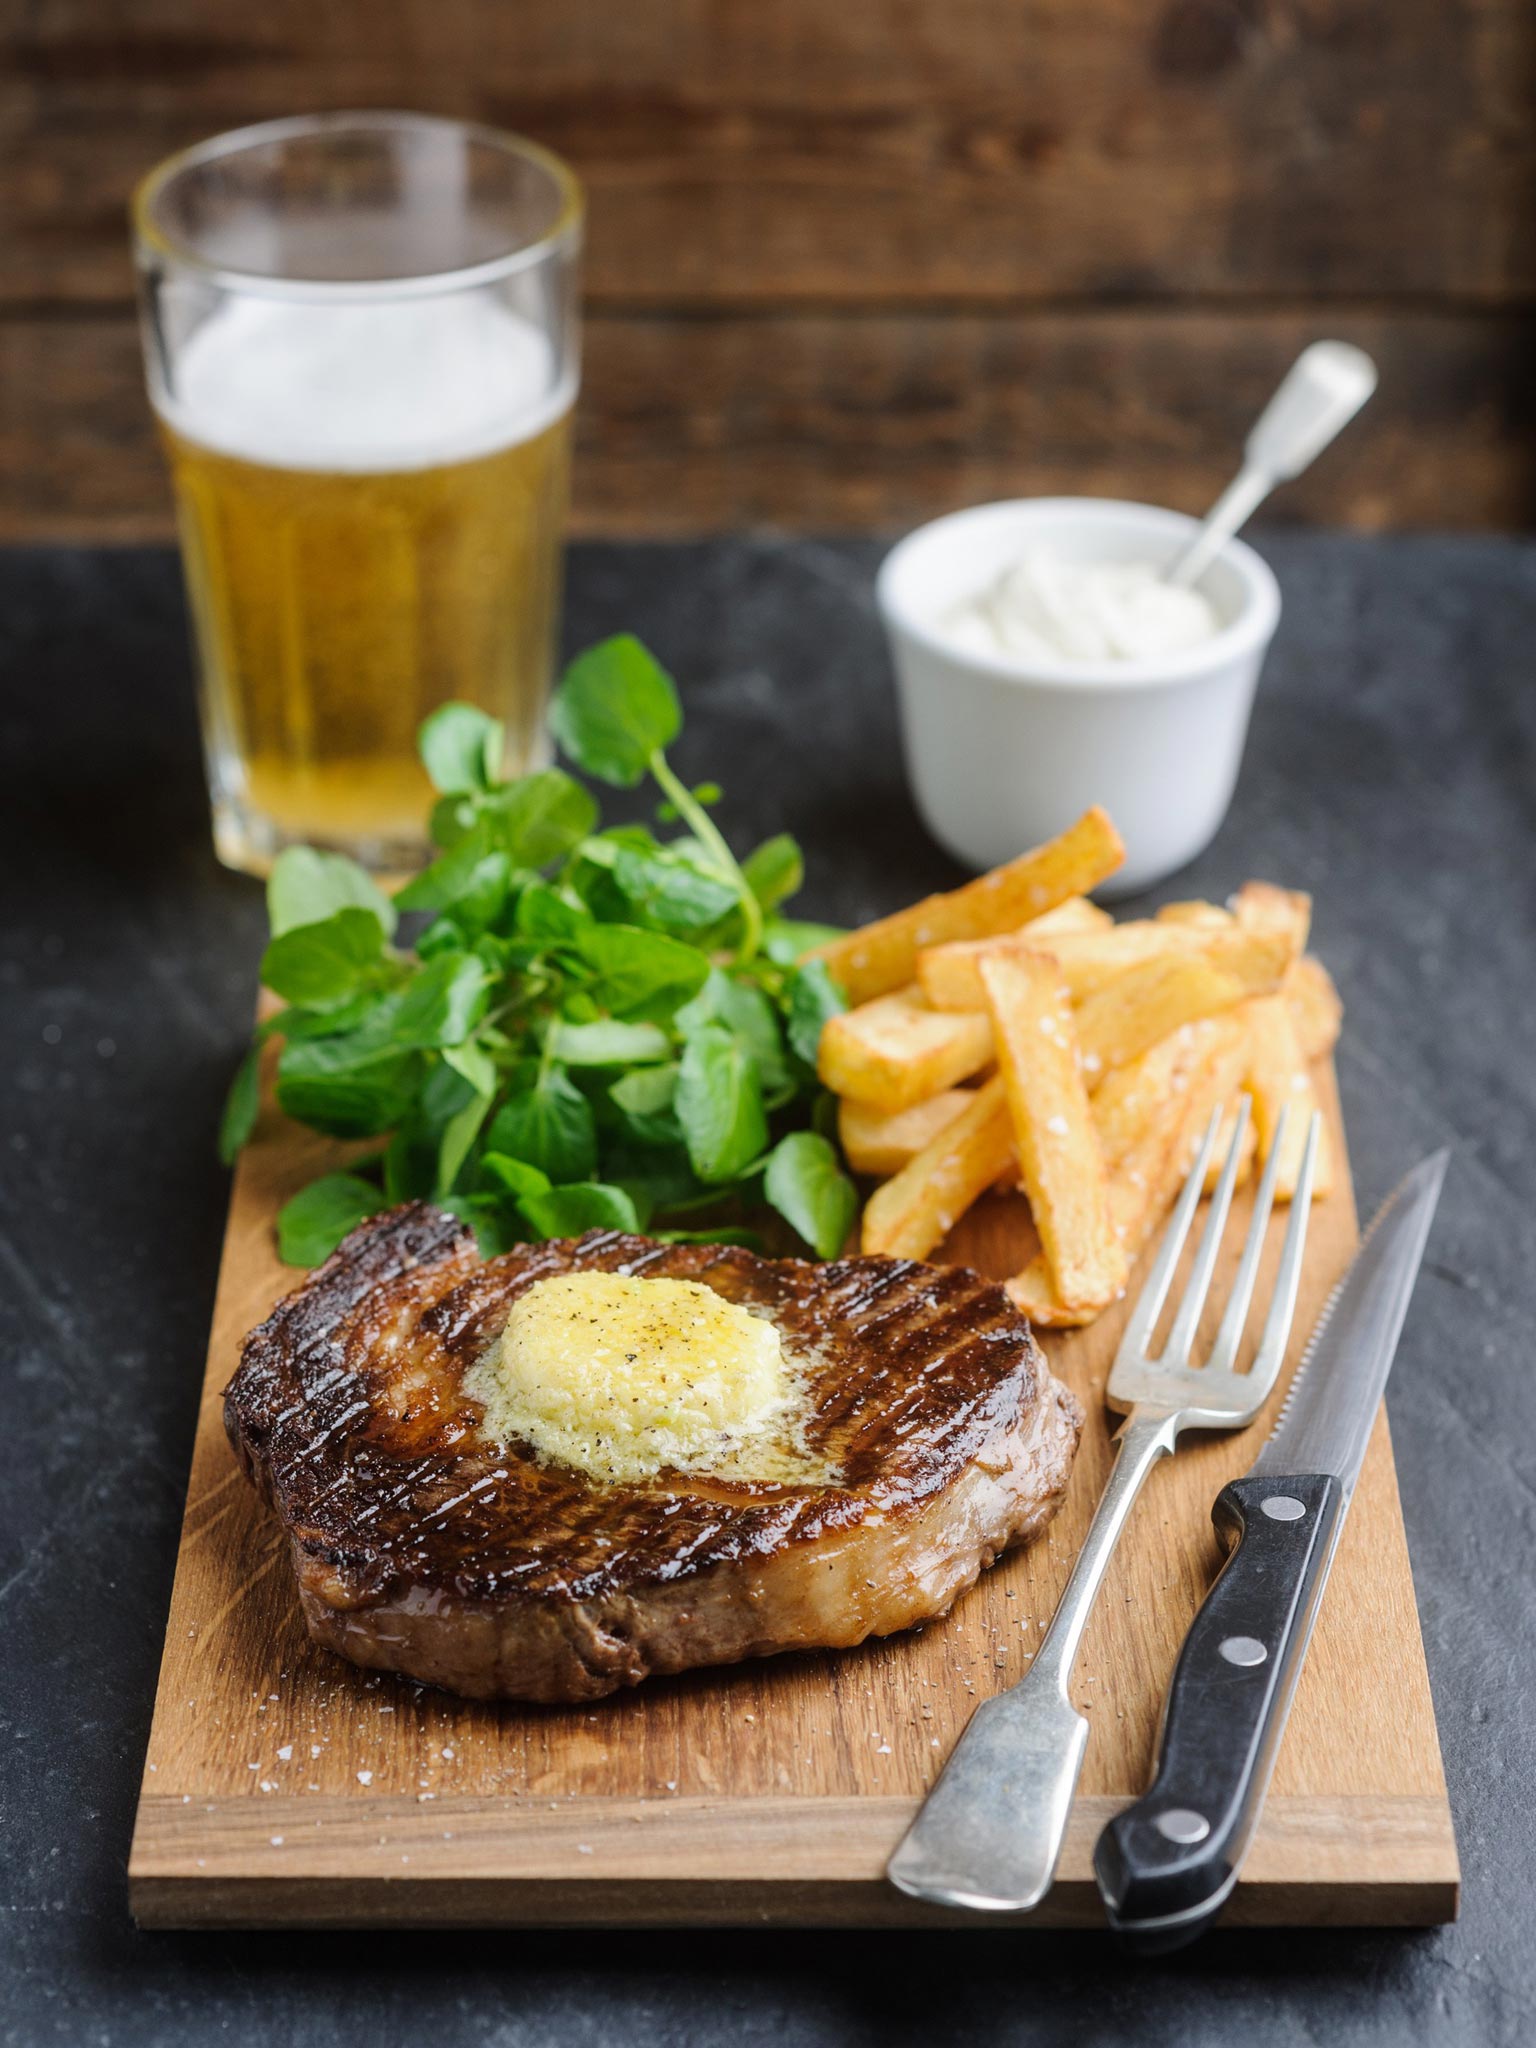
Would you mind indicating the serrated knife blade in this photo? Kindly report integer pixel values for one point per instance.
(1330, 1408)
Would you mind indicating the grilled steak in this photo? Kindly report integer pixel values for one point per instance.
(424, 1548)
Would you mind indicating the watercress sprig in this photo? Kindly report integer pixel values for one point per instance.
(595, 1027)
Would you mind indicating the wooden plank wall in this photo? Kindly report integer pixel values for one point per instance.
(854, 261)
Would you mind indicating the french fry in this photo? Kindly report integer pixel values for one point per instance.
(1190, 1077)
(951, 975)
(882, 956)
(1142, 1095)
(914, 1210)
(879, 1144)
(1314, 1005)
(1077, 914)
(1089, 960)
(1061, 1163)
(1121, 1020)
(947, 974)
(1204, 916)
(1261, 907)
(1277, 1078)
(897, 1051)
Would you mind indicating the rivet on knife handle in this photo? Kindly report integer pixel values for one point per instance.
(1166, 1864)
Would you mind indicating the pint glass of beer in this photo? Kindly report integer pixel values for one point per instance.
(361, 339)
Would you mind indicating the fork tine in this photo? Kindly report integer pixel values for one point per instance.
(1138, 1331)
(1228, 1338)
(1277, 1324)
(1181, 1338)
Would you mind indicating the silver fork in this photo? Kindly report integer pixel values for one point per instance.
(990, 1831)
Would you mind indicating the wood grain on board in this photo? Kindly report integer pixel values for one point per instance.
(852, 266)
(284, 1787)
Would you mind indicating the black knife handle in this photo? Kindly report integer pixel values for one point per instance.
(1166, 1864)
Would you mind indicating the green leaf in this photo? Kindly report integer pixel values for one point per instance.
(452, 817)
(728, 1233)
(608, 1042)
(320, 966)
(543, 816)
(648, 1091)
(590, 1205)
(516, 1176)
(636, 969)
(616, 706)
(463, 1126)
(474, 1063)
(306, 886)
(443, 1001)
(453, 874)
(746, 1010)
(414, 1160)
(774, 870)
(813, 997)
(786, 940)
(673, 888)
(461, 748)
(352, 1085)
(548, 1122)
(719, 1104)
(241, 1105)
(811, 1192)
(544, 913)
(314, 1222)
(642, 1100)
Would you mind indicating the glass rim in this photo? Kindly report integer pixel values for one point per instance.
(153, 242)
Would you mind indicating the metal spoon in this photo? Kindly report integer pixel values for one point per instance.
(1323, 390)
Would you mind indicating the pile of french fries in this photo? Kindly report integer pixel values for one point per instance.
(1011, 1034)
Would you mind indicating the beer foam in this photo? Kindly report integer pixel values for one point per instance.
(364, 388)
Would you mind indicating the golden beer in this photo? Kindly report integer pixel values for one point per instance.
(360, 340)
(332, 612)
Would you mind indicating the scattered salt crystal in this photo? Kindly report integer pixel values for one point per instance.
(285, 1752)
(365, 1777)
(1057, 1125)
(277, 1841)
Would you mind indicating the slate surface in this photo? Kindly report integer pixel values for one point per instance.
(1392, 770)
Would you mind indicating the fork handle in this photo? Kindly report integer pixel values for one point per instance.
(1166, 1865)
(990, 1831)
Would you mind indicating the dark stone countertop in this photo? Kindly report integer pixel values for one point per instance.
(1392, 770)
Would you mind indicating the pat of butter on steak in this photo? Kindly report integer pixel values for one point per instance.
(928, 1436)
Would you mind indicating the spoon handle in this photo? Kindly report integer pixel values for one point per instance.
(1323, 390)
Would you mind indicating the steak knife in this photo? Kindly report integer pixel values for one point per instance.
(1166, 1865)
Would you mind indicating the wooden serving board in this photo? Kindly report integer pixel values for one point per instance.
(284, 1787)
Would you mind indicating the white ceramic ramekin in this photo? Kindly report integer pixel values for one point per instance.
(1002, 756)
